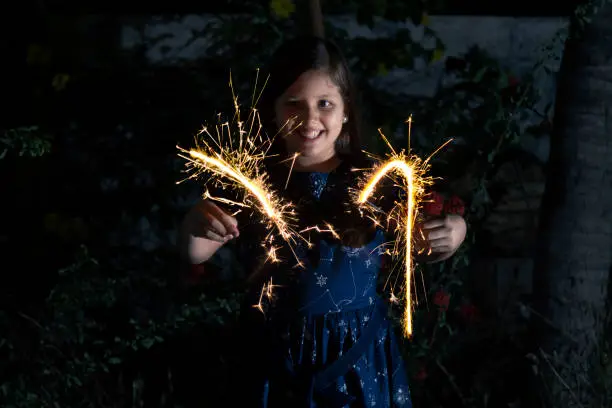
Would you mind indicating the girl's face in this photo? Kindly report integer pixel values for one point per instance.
(313, 110)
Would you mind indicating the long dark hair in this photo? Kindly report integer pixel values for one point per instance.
(300, 55)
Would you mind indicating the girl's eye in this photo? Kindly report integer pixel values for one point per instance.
(324, 103)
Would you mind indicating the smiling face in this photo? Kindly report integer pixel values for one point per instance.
(313, 109)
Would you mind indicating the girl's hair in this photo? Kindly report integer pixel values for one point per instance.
(300, 55)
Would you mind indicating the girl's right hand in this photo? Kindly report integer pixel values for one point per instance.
(207, 220)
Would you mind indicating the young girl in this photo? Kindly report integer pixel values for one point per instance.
(324, 340)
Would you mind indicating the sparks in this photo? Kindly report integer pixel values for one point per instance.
(232, 156)
(268, 291)
(412, 181)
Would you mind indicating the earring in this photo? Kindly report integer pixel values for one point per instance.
(345, 119)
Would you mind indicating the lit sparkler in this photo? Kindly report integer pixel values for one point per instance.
(233, 154)
(409, 173)
(266, 291)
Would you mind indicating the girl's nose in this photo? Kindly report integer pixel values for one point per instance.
(312, 114)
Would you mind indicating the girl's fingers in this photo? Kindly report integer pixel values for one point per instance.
(440, 245)
(213, 236)
(435, 223)
(438, 233)
(229, 224)
(216, 225)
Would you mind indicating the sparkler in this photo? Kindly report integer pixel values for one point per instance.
(412, 180)
(233, 154)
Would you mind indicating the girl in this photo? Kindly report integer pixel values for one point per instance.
(324, 340)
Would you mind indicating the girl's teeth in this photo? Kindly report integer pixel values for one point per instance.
(311, 135)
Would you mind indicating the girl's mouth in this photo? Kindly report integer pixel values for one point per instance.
(310, 135)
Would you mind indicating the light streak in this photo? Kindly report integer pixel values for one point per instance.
(412, 181)
(232, 155)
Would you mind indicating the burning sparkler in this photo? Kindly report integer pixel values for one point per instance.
(409, 173)
(233, 154)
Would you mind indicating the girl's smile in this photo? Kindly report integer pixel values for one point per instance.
(309, 135)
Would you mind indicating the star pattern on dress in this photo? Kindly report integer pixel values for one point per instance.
(321, 280)
(368, 262)
(352, 252)
(317, 183)
(401, 398)
(329, 256)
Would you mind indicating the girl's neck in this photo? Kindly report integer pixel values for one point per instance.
(324, 166)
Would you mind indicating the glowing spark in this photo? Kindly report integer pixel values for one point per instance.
(259, 305)
(268, 291)
(272, 257)
(295, 156)
(329, 230)
(409, 121)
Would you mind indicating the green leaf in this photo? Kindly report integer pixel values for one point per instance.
(503, 80)
(282, 8)
(480, 74)
(148, 342)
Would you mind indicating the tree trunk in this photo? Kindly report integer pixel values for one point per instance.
(574, 257)
(310, 18)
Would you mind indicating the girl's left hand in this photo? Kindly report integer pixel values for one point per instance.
(444, 235)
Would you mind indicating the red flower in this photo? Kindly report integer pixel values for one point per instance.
(469, 312)
(434, 204)
(421, 375)
(509, 92)
(441, 299)
(454, 206)
(193, 273)
(513, 81)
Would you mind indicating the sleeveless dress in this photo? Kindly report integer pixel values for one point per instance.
(324, 340)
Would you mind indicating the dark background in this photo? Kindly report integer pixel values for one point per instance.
(119, 118)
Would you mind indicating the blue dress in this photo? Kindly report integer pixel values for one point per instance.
(324, 340)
